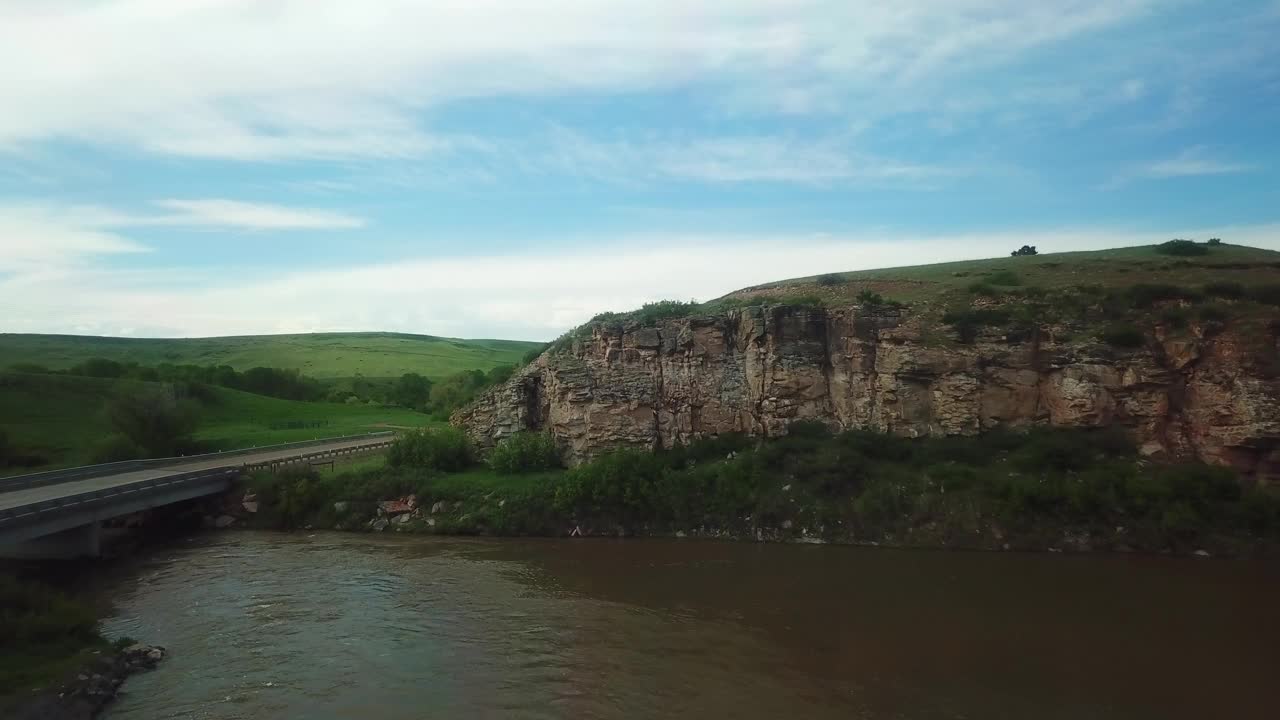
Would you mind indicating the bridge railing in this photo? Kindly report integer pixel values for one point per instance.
(34, 512)
(51, 477)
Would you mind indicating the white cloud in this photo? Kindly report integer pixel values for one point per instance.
(525, 296)
(730, 159)
(253, 216)
(37, 238)
(255, 80)
(1191, 162)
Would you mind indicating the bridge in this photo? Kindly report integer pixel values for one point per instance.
(60, 513)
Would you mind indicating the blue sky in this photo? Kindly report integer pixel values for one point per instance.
(508, 169)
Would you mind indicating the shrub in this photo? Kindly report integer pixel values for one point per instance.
(1123, 335)
(872, 300)
(984, 289)
(412, 391)
(33, 614)
(1175, 318)
(1265, 294)
(155, 420)
(115, 448)
(1025, 250)
(1004, 277)
(619, 485)
(1184, 248)
(1224, 289)
(968, 323)
(525, 452)
(1212, 313)
(445, 449)
(1144, 295)
(1215, 241)
(831, 279)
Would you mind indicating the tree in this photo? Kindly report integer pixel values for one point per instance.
(155, 420)
(1215, 241)
(412, 391)
(1182, 248)
(1025, 250)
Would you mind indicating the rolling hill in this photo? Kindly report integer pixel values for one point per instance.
(319, 355)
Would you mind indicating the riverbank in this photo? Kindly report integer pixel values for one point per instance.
(1054, 490)
(55, 664)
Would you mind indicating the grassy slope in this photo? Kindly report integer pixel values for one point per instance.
(320, 355)
(1109, 268)
(62, 417)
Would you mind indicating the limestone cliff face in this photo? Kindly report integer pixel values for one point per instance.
(755, 370)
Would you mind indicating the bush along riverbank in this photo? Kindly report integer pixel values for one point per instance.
(54, 662)
(1054, 489)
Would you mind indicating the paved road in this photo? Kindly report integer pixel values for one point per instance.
(26, 496)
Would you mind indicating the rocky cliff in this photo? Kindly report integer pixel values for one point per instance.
(1203, 392)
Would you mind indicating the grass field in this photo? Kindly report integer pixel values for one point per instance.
(61, 417)
(1109, 268)
(319, 355)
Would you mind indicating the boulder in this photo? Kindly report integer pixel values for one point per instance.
(224, 521)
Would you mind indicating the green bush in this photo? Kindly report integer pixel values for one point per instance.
(115, 448)
(1184, 248)
(1024, 250)
(1144, 295)
(1212, 313)
(445, 449)
(1175, 318)
(1265, 294)
(968, 323)
(618, 486)
(1225, 289)
(1215, 241)
(1123, 335)
(831, 279)
(1004, 277)
(984, 289)
(155, 419)
(872, 300)
(525, 452)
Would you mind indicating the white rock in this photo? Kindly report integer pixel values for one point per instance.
(224, 521)
(438, 507)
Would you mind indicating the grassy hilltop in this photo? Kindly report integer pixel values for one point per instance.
(1108, 269)
(318, 355)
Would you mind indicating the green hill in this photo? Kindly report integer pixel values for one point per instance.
(319, 355)
(61, 418)
(1108, 269)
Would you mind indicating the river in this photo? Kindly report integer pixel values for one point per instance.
(332, 625)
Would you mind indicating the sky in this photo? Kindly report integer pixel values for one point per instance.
(476, 168)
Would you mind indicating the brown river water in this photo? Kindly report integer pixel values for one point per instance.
(331, 625)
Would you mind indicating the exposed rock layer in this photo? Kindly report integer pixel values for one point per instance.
(1190, 394)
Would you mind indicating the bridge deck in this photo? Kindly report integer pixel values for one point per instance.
(28, 496)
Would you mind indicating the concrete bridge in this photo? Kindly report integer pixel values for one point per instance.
(60, 513)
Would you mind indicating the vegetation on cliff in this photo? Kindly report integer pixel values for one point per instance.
(1049, 488)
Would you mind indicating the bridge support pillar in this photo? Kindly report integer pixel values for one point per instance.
(76, 542)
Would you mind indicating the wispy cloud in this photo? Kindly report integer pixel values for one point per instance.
(1192, 162)
(243, 80)
(36, 238)
(250, 216)
(728, 159)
